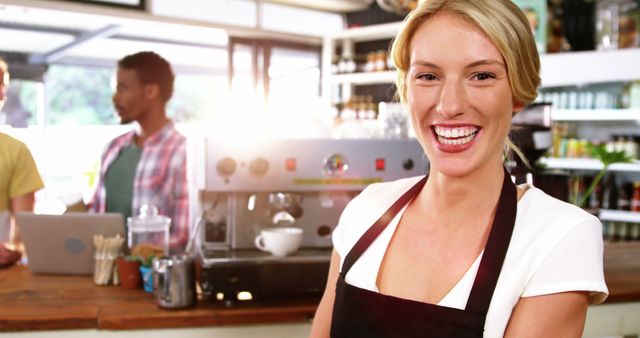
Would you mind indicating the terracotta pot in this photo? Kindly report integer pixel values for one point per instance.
(129, 273)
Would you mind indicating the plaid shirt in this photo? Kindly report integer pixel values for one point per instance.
(161, 179)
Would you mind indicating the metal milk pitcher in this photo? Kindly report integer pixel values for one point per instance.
(174, 282)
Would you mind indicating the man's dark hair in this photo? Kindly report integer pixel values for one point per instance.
(151, 68)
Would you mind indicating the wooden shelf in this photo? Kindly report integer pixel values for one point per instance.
(560, 69)
(563, 69)
(587, 164)
(580, 68)
(619, 216)
(586, 115)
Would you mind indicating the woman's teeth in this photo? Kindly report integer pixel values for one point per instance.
(456, 136)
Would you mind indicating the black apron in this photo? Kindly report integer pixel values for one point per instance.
(363, 313)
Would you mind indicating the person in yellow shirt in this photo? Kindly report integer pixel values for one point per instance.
(19, 180)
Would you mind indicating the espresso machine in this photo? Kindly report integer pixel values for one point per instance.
(531, 132)
(306, 183)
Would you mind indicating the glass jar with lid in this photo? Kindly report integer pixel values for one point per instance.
(148, 232)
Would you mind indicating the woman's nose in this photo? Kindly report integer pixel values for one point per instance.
(452, 100)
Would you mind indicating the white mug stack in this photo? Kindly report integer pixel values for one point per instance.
(280, 242)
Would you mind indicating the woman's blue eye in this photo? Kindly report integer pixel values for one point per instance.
(426, 76)
(484, 76)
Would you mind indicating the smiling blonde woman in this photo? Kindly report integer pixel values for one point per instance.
(462, 252)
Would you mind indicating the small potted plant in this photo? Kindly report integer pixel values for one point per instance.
(145, 253)
(129, 272)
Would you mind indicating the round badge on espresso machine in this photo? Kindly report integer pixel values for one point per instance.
(336, 165)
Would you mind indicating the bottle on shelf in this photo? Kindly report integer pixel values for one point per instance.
(381, 61)
(346, 64)
(595, 200)
(628, 25)
(624, 200)
(610, 193)
(369, 108)
(606, 230)
(635, 198)
(616, 24)
(576, 188)
(634, 231)
(370, 63)
(622, 231)
(634, 95)
(556, 37)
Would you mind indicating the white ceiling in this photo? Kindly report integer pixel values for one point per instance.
(339, 6)
(48, 31)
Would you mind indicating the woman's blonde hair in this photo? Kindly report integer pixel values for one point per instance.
(504, 24)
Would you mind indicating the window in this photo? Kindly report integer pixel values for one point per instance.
(68, 131)
(275, 84)
(294, 92)
(79, 95)
(20, 110)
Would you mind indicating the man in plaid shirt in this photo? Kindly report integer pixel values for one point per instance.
(148, 164)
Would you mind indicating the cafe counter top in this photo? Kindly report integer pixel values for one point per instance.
(42, 302)
(57, 303)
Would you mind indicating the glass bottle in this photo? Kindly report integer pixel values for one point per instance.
(635, 198)
(556, 38)
(624, 202)
(610, 193)
(616, 24)
(628, 25)
(607, 22)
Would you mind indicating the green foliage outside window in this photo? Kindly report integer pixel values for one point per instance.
(78, 95)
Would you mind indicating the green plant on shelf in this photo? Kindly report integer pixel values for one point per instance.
(607, 158)
(144, 261)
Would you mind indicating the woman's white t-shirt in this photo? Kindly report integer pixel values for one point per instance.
(555, 247)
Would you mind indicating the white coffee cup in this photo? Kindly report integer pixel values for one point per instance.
(279, 242)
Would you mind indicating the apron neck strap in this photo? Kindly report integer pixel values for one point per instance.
(372, 233)
(495, 249)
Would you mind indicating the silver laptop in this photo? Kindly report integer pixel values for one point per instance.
(63, 244)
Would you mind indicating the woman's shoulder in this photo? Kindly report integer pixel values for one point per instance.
(549, 219)
(538, 203)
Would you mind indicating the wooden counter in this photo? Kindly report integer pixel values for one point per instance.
(622, 271)
(29, 302)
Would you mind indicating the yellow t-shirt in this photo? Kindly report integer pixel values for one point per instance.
(18, 172)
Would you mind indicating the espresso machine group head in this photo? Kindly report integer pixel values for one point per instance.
(244, 189)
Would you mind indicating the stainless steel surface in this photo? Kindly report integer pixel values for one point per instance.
(254, 256)
(246, 188)
(301, 183)
(320, 164)
(174, 281)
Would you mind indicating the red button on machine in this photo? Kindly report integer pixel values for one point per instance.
(380, 164)
(290, 164)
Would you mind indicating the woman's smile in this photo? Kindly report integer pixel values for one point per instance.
(455, 138)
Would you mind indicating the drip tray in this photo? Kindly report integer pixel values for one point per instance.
(210, 257)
